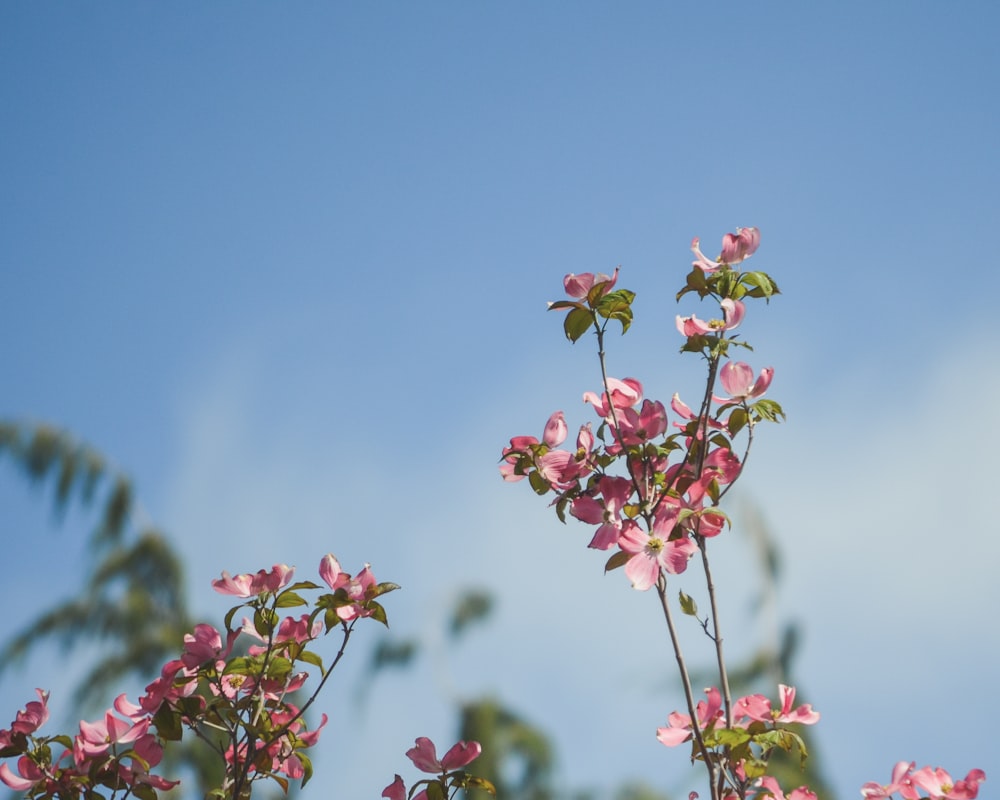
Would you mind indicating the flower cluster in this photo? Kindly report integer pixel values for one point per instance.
(240, 704)
(652, 488)
(934, 784)
(448, 769)
(667, 499)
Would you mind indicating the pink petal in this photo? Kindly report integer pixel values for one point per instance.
(424, 755)
(555, 430)
(461, 754)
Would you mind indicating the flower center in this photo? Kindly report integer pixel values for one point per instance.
(654, 545)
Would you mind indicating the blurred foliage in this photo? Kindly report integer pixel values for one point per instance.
(132, 601)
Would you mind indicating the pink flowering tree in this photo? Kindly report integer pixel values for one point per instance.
(232, 688)
(652, 488)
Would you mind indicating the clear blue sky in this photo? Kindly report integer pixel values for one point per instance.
(287, 266)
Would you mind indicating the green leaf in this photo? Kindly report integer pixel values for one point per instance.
(264, 622)
(289, 599)
(311, 658)
(279, 668)
(730, 736)
(538, 483)
(577, 323)
(306, 765)
(768, 409)
(619, 559)
(435, 791)
(378, 613)
(560, 304)
(695, 283)
(303, 585)
(737, 421)
(475, 782)
(688, 605)
(385, 588)
(760, 284)
(168, 723)
(241, 665)
(143, 791)
(561, 508)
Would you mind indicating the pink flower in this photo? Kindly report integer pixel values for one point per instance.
(555, 430)
(758, 707)
(205, 644)
(655, 551)
(96, 738)
(900, 783)
(679, 728)
(28, 775)
(736, 247)
(616, 493)
(356, 588)
(579, 286)
(733, 312)
(739, 246)
(771, 785)
(624, 393)
(738, 380)
(939, 785)
(424, 756)
(166, 688)
(246, 585)
(34, 715)
(643, 425)
(395, 790)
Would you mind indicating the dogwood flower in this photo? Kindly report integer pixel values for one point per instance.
(679, 727)
(738, 380)
(758, 707)
(733, 312)
(736, 247)
(424, 755)
(579, 286)
(654, 551)
(247, 585)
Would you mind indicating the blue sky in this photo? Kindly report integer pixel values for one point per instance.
(287, 266)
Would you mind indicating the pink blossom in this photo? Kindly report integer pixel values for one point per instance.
(424, 755)
(771, 785)
(34, 715)
(733, 312)
(939, 785)
(679, 729)
(205, 644)
(28, 775)
(395, 790)
(624, 393)
(579, 286)
(553, 436)
(247, 585)
(356, 588)
(655, 551)
(737, 247)
(643, 425)
(758, 707)
(615, 493)
(169, 687)
(555, 430)
(96, 738)
(900, 782)
(738, 380)
(683, 410)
